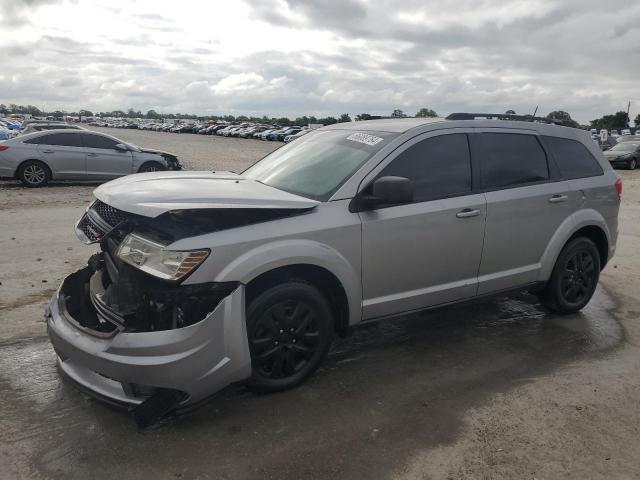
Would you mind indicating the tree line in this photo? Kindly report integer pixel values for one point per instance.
(616, 121)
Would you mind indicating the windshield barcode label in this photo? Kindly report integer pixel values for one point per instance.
(364, 138)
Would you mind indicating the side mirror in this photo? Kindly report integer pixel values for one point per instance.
(387, 191)
(121, 147)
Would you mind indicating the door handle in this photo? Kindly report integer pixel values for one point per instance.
(92, 154)
(558, 198)
(48, 151)
(467, 213)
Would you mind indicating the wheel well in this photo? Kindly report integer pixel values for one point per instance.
(147, 162)
(321, 278)
(15, 175)
(597, 236)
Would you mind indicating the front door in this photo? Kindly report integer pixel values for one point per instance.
(104, 161)
(427, 252)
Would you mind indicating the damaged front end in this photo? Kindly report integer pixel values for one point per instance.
(131, 338)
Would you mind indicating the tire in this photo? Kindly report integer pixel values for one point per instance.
(289, 328)
(34, 173)
(574, 278)
(151, 167)
(632, 164)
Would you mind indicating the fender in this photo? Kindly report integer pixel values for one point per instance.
(270, 256)
(573, 223)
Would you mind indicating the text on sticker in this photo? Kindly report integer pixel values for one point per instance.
(364, 138)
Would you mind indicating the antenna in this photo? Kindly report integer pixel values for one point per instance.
(535, 111)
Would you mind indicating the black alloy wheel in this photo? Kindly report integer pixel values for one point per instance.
(574, 278)
(578, 277)
(289, 329)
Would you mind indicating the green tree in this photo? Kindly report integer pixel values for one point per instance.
(616, 121)
(636, 121)
(565, 117)
(344, 118)
(426, 112)
(85, 113)
(397, 113)
(3, 109)
(363, 117)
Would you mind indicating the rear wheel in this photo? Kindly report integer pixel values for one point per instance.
(34, 173)
(574, 278)
(151, 167)
(289, 327)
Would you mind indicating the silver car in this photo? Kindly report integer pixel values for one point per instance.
(205, 279)
(39, 157)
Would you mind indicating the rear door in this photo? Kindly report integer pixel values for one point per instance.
(426, 252)
(103, 160)
(64, 154)
(526, 203)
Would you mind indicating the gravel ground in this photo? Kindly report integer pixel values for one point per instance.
(502, 390)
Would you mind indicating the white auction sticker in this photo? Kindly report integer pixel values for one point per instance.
(364, 138)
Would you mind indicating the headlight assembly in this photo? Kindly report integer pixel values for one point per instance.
(152, 258)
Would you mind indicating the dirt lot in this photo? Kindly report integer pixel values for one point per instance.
(501, 390)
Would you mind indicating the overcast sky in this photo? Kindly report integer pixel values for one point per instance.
(322, 57)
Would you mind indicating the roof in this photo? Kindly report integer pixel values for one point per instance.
(395, 125)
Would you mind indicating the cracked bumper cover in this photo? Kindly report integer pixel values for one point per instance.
(199, 359)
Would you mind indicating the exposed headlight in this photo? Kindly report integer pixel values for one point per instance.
(152, 258)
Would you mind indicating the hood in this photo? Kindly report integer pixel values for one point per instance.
(158, 152)
(152, 194)
(615, 154)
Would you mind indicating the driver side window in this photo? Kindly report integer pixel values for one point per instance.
(438, 167)
(98, 141)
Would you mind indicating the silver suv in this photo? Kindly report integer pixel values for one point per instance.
(210, 278)
(36, 158)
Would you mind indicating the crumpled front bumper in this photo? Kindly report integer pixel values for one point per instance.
(198, 360)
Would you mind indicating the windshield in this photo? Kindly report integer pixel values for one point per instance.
(625, 147)
(316, 165)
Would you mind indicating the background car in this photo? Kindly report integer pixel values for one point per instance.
(39, 157)
(38, 127)
(625, 154)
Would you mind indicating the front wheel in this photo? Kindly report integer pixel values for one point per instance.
(289, 327)
(151, 167)
(632, 164)
(574, 278)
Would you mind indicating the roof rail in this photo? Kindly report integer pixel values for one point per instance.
(504, 116)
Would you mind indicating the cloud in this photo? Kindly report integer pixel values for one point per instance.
(286, 57)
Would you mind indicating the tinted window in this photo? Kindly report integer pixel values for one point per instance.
(438, 167)
(573, 158)
(98, 141)
(512, 159)
(62, 139)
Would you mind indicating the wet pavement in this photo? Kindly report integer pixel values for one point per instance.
(500, 389)
(391, 388)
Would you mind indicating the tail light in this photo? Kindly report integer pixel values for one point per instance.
(619, 187)
(3, 148)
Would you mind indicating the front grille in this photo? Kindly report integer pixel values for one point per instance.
(92, 231)
(109, 214)
(98, 220)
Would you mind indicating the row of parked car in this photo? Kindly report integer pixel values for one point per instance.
(9, 128)
(241, 130)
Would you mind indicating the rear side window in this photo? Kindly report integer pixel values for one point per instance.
(511, 159)
(573, 158)
(60, 139)
(438, 167)
(98, 141)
